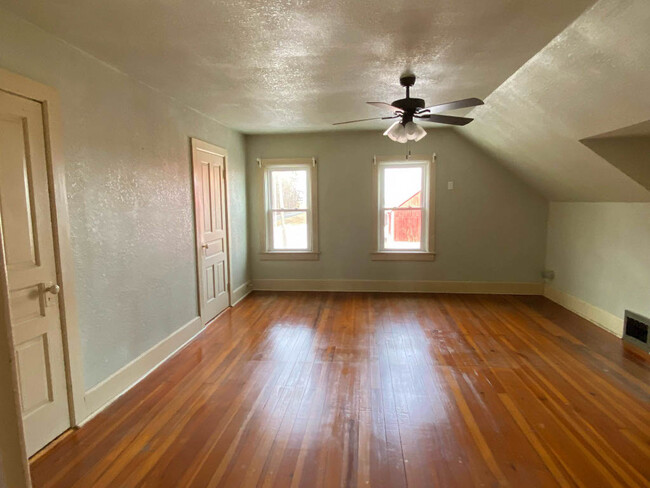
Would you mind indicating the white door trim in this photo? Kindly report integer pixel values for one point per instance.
(199, 145)
(49, 98)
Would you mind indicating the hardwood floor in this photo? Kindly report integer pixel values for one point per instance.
(382, 390)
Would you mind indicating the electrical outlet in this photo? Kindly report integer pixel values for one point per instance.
(450, 185)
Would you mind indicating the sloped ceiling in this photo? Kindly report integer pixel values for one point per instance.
(296, 65)
(592, 78)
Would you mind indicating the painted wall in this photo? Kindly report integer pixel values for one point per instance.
(600, 253)
(128, 169)
(491, 227)
(630, 154)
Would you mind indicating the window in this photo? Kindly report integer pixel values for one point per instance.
(403, 217)
(290, 208)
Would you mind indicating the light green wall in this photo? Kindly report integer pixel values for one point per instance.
(600, 253)
(491, 227)
(127, 157)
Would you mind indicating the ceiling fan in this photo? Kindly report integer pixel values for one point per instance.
(409, 110)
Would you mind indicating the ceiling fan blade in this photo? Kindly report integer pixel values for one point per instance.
(364, 120)
(386, 106)
(443, 107)
(445, 119)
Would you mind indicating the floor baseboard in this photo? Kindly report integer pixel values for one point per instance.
(106, 392)
(401, 286)
(241, 292)
(602, 318)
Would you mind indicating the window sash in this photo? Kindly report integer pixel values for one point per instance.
(424, 209)
(278, 169)
(270, 244)
(272, 213)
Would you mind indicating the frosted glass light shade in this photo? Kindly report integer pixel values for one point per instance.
(403, 133)
(419, 133)
(396, 132)
(414, 132)
(411, 129)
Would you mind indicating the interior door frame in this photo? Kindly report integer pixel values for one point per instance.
(49, 99)
(200, 145)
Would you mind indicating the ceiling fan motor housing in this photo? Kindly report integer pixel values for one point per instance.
(409, 104)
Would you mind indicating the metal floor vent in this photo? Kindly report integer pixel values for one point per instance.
(635, 330)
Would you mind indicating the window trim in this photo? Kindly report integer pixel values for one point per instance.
(267, 253)
(426, 252)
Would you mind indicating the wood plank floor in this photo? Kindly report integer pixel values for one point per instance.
(382, 390)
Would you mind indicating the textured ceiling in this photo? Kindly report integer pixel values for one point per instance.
(294, 65)
(591, 79)
(555, 73)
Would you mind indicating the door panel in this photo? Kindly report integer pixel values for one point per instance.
(206, 192)
(32, 357)
(221, 278)
(26, 304)
(27, 232)
(21, 249)
(210, 200)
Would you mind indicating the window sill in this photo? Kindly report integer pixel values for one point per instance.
(290, 256)
(402, 256)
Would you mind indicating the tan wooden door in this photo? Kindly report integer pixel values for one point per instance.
(33, 291)
(209, 163)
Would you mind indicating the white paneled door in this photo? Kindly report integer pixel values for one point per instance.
(33, 288)
(209, 163)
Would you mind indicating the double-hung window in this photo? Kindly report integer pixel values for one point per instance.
(403, 211)
(291, 219)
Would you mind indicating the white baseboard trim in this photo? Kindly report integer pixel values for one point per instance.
(598, 316)
(402, 286)
(106, 392)
(241, 292)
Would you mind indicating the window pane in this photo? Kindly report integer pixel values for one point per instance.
(402, 187)
(289, 188)
(290, 230)
(402, 229)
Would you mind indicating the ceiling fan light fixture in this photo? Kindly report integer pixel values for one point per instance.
(396, 132)
(390, 129)
(414, 132)
(411, 129)
(419, 133)
(403, 133)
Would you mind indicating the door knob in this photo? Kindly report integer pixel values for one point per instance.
(54, 289)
